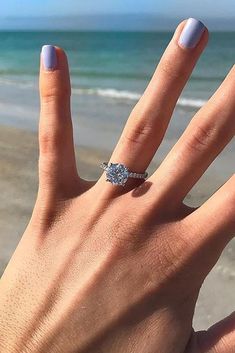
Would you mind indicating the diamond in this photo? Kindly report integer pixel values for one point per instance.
(117, 174)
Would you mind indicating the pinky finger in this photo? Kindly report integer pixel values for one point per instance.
(215, 219)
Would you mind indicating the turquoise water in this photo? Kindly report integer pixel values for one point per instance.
(116, 65)
(109, 72)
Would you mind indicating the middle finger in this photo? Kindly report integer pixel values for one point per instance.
(149, 120)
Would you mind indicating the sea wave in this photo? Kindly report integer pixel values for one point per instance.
(106, 93)
(191, 103)
(134, 96)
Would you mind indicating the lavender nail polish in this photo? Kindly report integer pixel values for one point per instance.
(191, 33)
(49, 57)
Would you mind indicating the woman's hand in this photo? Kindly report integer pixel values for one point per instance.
(102, 268)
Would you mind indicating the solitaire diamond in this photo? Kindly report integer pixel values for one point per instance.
(117, 174)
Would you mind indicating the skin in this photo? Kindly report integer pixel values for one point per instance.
(101, 268)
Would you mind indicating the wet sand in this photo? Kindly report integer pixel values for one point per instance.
(18, 185)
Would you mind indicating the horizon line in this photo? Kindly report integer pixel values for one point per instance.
(155, 14)
(102, 30)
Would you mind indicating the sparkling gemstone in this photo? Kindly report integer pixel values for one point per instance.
(117, 174)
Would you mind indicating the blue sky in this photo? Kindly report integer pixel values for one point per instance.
(55, 7)
(202, 9)
(208, 8)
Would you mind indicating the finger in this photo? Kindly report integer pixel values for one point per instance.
(57, 164)
(148, 121)
(214, 222)
(208, 230)
(211, 129)
(220, 338)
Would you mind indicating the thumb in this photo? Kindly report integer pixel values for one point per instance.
(220, 338)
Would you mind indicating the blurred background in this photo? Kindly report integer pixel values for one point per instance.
(113, 49)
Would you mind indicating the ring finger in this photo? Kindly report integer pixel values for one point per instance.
(211, 129)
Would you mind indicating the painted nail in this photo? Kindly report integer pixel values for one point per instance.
(49, 57)
(191, 33)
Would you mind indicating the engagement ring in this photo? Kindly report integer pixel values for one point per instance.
(118, 174)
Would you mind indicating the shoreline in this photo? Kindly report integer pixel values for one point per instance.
(19, 182)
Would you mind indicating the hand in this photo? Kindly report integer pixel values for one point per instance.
(102, 268)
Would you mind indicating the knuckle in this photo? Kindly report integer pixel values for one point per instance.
(174, 251)
(54, 86)
(57, 91)
(138, 134)
(175, 239)
(200, 138)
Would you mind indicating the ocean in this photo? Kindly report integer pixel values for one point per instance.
(109, 72)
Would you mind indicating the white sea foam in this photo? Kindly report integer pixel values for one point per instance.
(106, 92)
(189, 102)
(109, 92)
(128, 95)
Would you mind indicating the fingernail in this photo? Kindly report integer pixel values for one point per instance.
(191, 33)
(49, 57)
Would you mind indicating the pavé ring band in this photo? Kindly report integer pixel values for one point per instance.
(118, 174)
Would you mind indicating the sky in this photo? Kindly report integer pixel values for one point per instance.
(167, 8)
(71, 7)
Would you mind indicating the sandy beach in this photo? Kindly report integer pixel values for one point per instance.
(18, 184)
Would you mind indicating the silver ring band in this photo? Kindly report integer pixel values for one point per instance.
(118, 174)
(138, 176)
